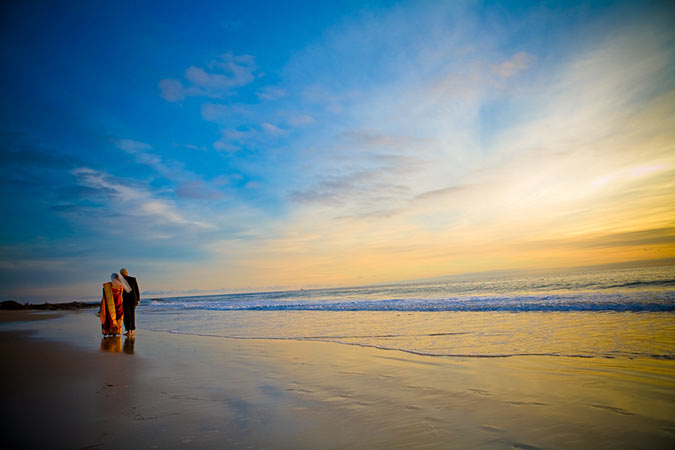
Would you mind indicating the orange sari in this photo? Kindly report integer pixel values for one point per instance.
(111, 310)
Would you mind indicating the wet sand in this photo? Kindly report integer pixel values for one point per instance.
(65, 387)
(21, 316)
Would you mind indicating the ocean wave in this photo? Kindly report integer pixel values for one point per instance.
(659, 301)
(638, 284)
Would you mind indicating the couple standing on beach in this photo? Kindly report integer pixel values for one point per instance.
(120, 298)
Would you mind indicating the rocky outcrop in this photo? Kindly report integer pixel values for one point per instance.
(12, 305)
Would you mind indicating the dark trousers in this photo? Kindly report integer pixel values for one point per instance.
(129, 316)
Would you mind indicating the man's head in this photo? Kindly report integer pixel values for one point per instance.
(124, 272)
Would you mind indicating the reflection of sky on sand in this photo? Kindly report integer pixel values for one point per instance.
(335, 396)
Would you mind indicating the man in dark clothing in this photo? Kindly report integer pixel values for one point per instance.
(130, 301)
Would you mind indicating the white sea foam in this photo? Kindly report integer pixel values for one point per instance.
(657, 301)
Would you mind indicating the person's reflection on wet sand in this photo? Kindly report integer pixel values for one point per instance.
(129, 345)
(111, 344)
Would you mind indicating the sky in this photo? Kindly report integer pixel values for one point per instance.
(243, 146)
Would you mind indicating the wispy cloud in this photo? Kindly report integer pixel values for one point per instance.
(228, 114)
(271, 128)
(271, 93)
(198, 190)
(133, 200)
(300, 119)
(519, 62)
(131, 146)
(439, 193)
(219, 77)
(143, 153)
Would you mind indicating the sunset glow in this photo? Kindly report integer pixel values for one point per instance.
(284, 147)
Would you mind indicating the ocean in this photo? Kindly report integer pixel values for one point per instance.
(627, 313)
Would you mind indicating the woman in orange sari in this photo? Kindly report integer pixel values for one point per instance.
(111, 305)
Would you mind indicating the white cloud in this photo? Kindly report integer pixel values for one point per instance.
(272, 129)
(217, 80)
(233, 139)
(131, 146)
(129, 200)
(172, 90)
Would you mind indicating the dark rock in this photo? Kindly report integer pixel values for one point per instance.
(12, 305)
(72, 306)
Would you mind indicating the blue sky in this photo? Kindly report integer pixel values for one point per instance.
(224, 146)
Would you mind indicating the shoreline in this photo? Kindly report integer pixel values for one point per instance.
(163, 390)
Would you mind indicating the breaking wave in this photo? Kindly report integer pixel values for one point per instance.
(659, 301)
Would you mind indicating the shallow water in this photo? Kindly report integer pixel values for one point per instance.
(470, 334)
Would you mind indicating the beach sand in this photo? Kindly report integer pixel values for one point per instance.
(20, 316)
(64, 387)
